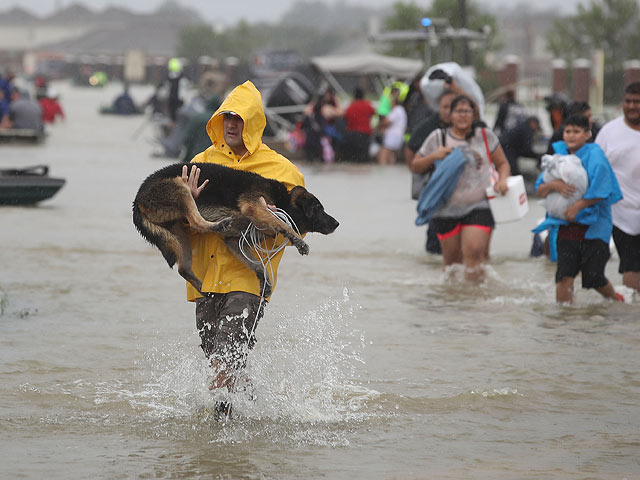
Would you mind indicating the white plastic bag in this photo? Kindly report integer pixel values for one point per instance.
(432, 89)
(569, 169)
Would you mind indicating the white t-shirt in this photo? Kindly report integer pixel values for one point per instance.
(394, 134)
(621, 145)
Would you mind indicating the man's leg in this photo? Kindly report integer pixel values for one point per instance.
(226, 324)
(631, 280)
(628, 247)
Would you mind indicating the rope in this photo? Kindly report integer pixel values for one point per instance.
(255, 239)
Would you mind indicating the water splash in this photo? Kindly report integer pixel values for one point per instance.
(302, 382)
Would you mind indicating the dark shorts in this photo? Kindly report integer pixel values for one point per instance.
(226, 323)
(446, 227)
(628, 247)
(587, 256)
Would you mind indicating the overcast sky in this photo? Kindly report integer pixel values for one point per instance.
(250, 10)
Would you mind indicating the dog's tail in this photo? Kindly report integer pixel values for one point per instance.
(155, 234)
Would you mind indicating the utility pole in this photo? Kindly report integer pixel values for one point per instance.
(466, 52)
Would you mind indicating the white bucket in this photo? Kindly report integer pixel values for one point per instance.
(511, 206)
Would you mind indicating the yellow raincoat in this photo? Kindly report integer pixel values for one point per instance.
(213, 263)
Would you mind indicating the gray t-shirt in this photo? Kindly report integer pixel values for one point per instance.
(26, 114)
(469, 193)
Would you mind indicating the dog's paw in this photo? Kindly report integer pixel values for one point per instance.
(303, 248)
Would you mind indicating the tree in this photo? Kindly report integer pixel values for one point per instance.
(476, 19)
(245, 39)
(199, 40)
(407, 16)
(610, 25)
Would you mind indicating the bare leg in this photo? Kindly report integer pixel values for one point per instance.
(474, 245)
(451, 250)
(386, 156)
(224, 377)
(608, 292)
(564, 290)
(631, 280)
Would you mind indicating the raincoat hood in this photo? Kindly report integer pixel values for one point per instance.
(245, 101)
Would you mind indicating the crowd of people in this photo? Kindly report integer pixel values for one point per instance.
(20, 111)
(454, 203)
(579, 234)
(360, 133)
(453, 139)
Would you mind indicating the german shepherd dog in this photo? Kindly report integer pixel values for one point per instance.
(227, 205)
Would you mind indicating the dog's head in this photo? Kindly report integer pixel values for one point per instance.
(308, 213)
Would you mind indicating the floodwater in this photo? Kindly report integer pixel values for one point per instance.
(370, 363)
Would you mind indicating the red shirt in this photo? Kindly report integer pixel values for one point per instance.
(50, 108)
(358, 116)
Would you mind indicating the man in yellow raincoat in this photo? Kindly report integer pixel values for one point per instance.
(227, 314)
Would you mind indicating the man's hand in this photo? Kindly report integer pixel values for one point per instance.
(192, 178)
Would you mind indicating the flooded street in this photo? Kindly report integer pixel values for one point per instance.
(369, 363)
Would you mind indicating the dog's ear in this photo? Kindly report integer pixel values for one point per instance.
(303, 200)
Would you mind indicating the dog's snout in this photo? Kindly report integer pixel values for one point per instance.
(330, 225)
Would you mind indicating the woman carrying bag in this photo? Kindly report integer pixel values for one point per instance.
(464, 223)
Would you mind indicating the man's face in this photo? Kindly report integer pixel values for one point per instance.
(444, 108)
(534, 125)
(631, 108)
(575, 137)
(233, 126)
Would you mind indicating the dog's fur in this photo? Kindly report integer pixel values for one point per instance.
(227, 205)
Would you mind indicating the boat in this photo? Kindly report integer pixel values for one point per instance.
(27, 186)
(26, 135)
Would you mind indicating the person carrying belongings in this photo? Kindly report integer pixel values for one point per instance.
(579, 238)
(463, 222)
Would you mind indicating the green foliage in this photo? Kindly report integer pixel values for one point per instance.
(610, 25)
(244, 39)
(198, 40)
(407, 16)
(477, 20)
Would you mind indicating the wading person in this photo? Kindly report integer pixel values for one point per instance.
(231, 305)
(464, 223)
(393, 127)
(620, 140)
(583, 237)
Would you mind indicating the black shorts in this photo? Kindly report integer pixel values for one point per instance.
(446, 227)
(587, 256)
(226, 323)
(628, 247)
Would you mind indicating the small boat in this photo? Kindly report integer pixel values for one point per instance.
(26, 186)
(26, 135)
